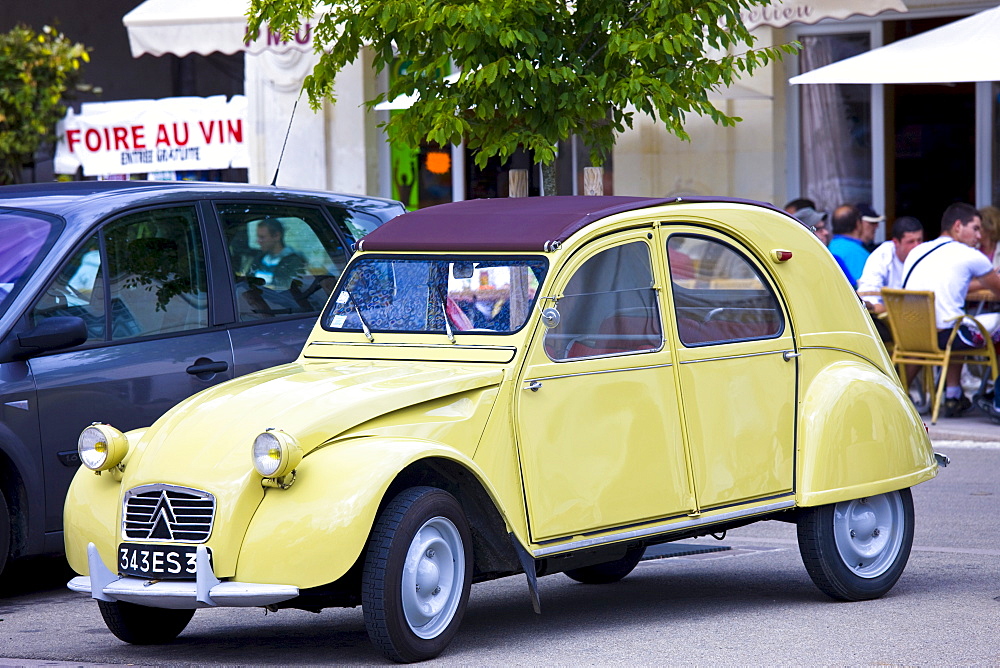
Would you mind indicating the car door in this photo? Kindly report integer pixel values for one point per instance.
(737, 368)
(285, 258)
(141, 285)
(598, 426)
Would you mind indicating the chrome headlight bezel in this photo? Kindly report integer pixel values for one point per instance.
(275, 454)
(101, 447)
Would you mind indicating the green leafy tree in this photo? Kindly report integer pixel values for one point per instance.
(533, 72)
(36, 69)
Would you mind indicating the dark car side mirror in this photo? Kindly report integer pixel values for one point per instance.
(50, 334)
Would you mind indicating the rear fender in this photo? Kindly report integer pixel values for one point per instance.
(859, 435)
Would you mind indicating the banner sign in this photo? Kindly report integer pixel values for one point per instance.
(142, 136)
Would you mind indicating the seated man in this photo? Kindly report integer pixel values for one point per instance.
(850, 234)
(277, 263)
(884, 267)
(948, 266)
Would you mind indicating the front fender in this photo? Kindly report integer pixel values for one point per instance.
(859, 436)
(313, 532)
(91, 513)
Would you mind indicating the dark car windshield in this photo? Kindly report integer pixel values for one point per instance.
(22, 237)
(483, 295)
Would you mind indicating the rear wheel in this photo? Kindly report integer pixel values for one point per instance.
(142, 625)
(609, 571)
(856, 550)
(417, 574)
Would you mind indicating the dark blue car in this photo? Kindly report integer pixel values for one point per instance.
(119, 299)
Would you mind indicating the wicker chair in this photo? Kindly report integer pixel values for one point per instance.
(915, 335)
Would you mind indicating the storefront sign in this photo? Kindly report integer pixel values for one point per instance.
(782, 12)
(142, 136)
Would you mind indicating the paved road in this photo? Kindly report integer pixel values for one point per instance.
(752, 604)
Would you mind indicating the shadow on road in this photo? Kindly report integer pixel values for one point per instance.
(35, 574)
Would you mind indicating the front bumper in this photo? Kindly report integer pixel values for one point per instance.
(206, 591)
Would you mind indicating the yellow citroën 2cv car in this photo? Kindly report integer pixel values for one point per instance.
(497, 387)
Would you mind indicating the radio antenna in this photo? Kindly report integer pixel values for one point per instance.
(274, 181)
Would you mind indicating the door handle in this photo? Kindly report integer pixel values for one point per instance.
(204, 367)
(788, 355)
(533, 385)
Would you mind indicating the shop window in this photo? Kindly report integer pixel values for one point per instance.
(836, 158)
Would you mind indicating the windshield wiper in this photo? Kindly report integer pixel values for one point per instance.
(361, 318)
(447, 320)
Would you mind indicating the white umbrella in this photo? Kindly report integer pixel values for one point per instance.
(965, 50)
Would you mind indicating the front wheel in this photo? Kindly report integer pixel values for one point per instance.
(856, 550)
(5, 529)
(417, 574)
(142, 625)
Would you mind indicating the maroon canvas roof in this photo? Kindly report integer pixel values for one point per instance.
(510, 224)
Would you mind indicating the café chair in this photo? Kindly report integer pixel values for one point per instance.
(915, 335)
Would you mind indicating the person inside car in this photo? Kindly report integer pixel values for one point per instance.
(277, 263)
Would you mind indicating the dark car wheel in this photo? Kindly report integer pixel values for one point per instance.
(417, 574)
(142, 625)
(609, 571)
(856, 550)
(5, 527)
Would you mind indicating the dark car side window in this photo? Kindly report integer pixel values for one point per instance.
(156, 281)
(719, 296)
(285, 258)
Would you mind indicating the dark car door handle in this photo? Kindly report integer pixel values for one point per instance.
(207, 366)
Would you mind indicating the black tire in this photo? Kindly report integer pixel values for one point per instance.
(609, 571)
(5, 529)
(856, 550)
(142, 625)
(408, 624)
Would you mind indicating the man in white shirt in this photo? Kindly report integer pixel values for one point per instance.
(884, 267)
(949, 266)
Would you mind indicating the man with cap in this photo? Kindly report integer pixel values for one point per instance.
(816, 221)
(869, 215)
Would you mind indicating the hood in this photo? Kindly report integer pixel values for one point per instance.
(208, 437)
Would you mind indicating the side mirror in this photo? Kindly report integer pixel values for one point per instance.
(551, 317)
(50, 334)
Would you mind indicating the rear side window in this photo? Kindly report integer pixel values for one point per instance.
(354, 224)
(285, 258)
(719, 295)
(609, 307)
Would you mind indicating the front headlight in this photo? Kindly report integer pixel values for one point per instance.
(101, 447)
(275, 454)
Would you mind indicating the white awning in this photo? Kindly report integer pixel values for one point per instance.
(782, 12)
(965, 50)
(180, 27)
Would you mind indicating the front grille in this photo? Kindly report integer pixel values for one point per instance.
(167, 513)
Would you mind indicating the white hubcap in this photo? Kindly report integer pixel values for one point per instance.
(869, 533)
(433, 575)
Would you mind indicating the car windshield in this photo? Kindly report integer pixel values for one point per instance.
(22, 237)
(484, 295)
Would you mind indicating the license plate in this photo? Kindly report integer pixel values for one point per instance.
(158, 562)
